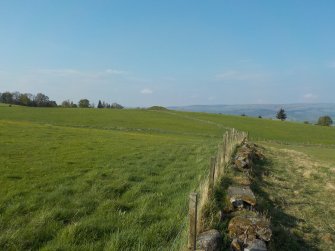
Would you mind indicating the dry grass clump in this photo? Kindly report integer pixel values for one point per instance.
(296, 190)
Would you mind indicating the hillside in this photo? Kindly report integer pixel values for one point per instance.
(295, 112)
(119, 179)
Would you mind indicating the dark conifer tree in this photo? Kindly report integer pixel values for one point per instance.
(281, 114)
(99, 104)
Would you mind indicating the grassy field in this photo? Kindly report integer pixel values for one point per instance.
(88, 179)
(84, 179)
(274, 130)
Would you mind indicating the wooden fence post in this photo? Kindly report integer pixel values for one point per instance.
(225, 147)
(218, 163)
(192, 236)
(222, 159)
(212, 174)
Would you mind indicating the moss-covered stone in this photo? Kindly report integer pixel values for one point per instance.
(247, 226)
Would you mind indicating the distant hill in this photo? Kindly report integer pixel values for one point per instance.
(157, 108)
(295, 112)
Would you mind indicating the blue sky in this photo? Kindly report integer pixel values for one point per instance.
(172, 52)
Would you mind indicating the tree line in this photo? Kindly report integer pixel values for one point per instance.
(104, 104)
(42, 100)
(27, 99)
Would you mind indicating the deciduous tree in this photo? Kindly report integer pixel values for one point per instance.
(84, 103)
(325, 121)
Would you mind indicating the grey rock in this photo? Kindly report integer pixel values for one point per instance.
(256, 245)
(209, 241)
(238, 195)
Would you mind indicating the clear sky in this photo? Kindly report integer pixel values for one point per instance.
(170, 52)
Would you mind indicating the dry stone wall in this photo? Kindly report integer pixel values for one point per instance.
(248, 229)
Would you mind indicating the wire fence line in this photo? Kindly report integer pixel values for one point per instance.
(231, 139)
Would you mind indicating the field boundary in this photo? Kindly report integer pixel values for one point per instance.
(218, 164)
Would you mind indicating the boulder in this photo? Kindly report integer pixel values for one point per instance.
(209, 241)
(241, 197)
(256, 245)
(247, 226)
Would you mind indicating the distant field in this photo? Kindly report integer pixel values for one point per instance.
(87, 179)
(295, 112)
(281, 131)
(137, 120)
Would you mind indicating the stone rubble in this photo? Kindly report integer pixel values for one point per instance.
(249, 230)
(256, 245)
(241, 197)
(248, 226)
(209, 241)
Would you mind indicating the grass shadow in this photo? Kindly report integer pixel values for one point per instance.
(283, 224)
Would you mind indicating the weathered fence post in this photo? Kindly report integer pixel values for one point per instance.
(192, 236)
(222, 159)
(225, 138)
(212, 174)
(218, 169)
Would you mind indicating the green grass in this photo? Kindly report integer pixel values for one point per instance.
(296, 190)
(277, 131)
(76, 182)
(2, 104)
(103, 179)
(113, 119)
